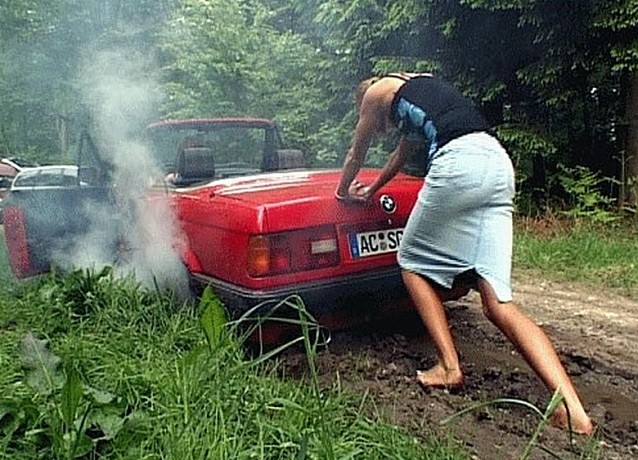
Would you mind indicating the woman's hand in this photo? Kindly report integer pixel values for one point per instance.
(357, 193)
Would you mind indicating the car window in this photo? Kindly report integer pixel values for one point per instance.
(5, 181)
(64, 176)
(69, 177)
(229, 144)
(49, 177)
(25, 179)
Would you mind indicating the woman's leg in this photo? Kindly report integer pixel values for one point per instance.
(447, 373)
(540, 354)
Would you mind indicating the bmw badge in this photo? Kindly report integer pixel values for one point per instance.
(388, 204)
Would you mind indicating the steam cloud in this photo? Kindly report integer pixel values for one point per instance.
(121, 95)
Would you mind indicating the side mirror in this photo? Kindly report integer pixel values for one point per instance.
(290, 159)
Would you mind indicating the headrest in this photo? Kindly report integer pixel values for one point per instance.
(195, 163)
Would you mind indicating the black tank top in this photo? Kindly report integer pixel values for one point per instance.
(445, 113)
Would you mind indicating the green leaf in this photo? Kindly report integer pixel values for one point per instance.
(83, 445)
(213, 318)
(99, 396)
(42, 367)
(110, 422)
(71, 396)
(303, 448)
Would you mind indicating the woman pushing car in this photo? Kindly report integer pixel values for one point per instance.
(461, 225)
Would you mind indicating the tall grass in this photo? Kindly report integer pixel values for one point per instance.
(576, 250)
(130, 374)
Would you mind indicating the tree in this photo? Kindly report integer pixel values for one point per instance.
(43, 48)
(226, 58)
(539, 69)
(616, 24)
(558, 80)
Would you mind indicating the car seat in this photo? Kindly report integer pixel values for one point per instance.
(194, 164)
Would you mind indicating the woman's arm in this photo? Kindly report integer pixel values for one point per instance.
(370, 117)
(390, 169)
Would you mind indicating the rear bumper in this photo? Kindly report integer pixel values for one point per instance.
(361, 291)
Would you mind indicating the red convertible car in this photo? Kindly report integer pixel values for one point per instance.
(256, 223)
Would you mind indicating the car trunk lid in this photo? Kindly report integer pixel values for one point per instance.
(299, 215)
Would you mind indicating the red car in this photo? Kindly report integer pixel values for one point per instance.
(256, 223)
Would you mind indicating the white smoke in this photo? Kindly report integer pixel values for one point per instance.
(119, 89)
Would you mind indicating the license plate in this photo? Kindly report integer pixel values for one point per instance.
(373, 243)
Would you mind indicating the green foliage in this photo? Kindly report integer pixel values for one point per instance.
(616, 22)
(526, 146)
(213, 319)
(586, 198)
(224, 59)
(67, 415)
(579, 250)
(23, 19)
(523, 145)
(332, 140)
(554, 71)
(42, 367)
(72, 297)
(43, 46)
(160, 390)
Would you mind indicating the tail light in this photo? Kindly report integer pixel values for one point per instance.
(289, 252)
(16, 240)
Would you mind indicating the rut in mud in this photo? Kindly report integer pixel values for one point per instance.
(596, 335)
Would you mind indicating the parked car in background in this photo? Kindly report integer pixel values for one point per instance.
(256, 223)
(45, 176)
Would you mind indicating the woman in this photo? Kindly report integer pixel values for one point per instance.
(461, 224)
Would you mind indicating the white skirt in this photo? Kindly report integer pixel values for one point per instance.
(462, 221)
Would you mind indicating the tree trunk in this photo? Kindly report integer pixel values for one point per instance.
(62, 127)
(630, 198)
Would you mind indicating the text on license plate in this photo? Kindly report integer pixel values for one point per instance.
(372, 243)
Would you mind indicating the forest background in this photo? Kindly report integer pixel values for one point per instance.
(558, 80)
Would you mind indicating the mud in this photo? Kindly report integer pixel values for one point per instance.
(595, 333)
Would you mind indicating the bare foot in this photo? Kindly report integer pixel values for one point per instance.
(580, 423)
(439, 377)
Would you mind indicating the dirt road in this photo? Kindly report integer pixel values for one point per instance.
(595, 333)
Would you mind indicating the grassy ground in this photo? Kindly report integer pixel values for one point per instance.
(94, 367)
(567, 250)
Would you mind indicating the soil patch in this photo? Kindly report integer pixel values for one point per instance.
(595, 333)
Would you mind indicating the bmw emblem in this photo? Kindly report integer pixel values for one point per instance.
(388, 204)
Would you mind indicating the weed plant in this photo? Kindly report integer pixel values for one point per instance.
(97, 367)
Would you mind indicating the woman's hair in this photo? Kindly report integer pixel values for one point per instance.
(361, 90)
